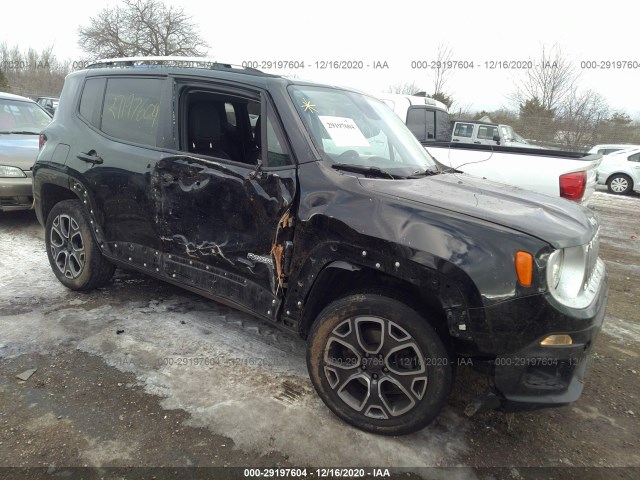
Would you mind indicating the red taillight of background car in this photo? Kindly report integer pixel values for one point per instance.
(573, 185)
(43, 140)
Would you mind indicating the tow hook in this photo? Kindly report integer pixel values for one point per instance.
(488, 400)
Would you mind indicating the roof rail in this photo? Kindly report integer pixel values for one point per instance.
(190, 62)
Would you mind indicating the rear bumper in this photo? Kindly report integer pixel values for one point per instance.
(16, 193)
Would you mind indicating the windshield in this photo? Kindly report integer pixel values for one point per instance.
(511, 135)
(354, 129)
(519, 138)
(22, 117)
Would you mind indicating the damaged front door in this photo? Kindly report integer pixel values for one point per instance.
(224, 197)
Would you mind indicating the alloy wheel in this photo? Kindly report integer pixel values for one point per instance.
(67, 246)
(375, 367)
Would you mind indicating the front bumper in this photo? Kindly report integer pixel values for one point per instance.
(533, 376)
(16, 193)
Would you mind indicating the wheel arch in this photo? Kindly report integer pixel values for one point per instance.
(440, 303)
(50, 186)
(50, 195)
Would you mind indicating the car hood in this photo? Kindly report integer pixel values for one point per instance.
(561, 223)
(18, 150)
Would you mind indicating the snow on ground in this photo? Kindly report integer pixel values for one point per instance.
(235, 375)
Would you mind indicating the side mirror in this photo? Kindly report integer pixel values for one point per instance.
(496, 138)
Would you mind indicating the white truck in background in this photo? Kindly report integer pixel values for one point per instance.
(557, 173)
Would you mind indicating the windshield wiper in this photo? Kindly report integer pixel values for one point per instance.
(424, 173)
(374, 171)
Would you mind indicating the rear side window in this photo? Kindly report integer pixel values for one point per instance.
(463, 130)
(91, 101)
(130, 110)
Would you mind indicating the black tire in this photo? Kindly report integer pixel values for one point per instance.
(74, 256)
(619, 184)
(372, 398)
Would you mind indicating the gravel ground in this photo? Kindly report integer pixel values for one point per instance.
(117, 383)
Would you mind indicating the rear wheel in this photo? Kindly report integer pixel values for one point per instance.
(73, 254)
(378, 365)
(619, 184)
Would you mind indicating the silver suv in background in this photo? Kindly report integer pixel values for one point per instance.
(484, 133)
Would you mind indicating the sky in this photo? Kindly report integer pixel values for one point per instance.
(389, 34)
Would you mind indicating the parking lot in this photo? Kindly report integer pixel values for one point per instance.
(142, 373)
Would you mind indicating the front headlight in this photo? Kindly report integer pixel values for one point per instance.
(554, 268)
(574, 273)
(7, 171)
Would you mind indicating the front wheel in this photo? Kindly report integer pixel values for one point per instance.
(73, 254)
(378, 365)
(619, 184)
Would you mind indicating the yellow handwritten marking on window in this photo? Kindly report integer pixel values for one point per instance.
(308, 106)
(134, 108)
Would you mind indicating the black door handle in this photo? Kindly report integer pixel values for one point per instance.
(90, 157)
(478, 143)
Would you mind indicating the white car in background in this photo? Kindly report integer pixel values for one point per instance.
(607, 148)
(620, 171)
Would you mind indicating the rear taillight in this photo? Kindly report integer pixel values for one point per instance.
(43, 140)
(572, 185)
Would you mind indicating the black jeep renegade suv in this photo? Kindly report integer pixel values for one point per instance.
(315, 208)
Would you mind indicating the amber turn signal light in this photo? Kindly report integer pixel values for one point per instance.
(557, 340)
(524, 268)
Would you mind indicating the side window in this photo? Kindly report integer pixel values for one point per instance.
(634, 158)
(220, 125)
(277, 154)
(91, 100)
(421, 122)
(131, 108)
(463, 130)
(416, 122)
(486, 132)
(443, 126)
(230, 112)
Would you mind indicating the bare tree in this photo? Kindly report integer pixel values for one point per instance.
(407, 88)
(551, 79)
(583, 114)
(443, 69)
(141, 27)
(459, 111)
(4, 83)
(32, 73)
